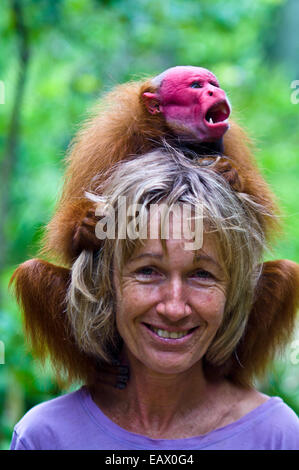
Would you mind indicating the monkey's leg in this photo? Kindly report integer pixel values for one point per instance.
(41, 289)
(272, 318)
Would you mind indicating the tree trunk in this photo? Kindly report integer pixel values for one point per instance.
(286, 45)
(11, 148)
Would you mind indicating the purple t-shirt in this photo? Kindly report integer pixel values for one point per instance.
(74, 422)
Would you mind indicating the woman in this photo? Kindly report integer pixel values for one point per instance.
(171, 300)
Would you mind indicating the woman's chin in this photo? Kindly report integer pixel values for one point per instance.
(167, 362)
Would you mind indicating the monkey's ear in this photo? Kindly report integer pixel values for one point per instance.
(151, 102)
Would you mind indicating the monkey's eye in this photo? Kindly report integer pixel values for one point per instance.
(196, 85)
(214, 84)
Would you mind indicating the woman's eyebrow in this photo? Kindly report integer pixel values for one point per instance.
(146, 255)
(197, 258)
(203, 257)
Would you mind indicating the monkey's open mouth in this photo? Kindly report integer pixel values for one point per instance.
(219, 112)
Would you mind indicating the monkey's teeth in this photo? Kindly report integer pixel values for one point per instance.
(211, 121)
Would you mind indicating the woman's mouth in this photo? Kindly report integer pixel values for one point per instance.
(166, 334)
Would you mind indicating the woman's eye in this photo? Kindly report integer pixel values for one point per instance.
(196, 85)
(147, 272)
(202, 274)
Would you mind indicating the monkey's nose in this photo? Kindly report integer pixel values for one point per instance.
(210, 93)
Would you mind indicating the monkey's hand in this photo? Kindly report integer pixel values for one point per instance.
(225, 168)
(84, 236)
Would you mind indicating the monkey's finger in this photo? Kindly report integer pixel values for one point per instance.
(88, 222)
(85, 239)
(230, 174)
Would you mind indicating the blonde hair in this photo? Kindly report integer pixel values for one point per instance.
(168, 176)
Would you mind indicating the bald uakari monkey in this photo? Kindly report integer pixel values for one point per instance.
(183, 106)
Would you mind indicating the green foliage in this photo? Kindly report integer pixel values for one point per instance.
(80, 48)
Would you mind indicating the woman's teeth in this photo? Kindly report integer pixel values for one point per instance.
(169, 334)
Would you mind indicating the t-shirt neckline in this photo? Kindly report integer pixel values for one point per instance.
(139, 441)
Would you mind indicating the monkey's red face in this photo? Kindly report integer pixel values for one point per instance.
(192, 102)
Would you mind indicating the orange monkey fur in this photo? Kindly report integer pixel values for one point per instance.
(41, 291)
(121, 127)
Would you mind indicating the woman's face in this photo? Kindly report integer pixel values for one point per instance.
(170, 305)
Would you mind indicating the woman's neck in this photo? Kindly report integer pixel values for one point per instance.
(161, 405)
(164, 397)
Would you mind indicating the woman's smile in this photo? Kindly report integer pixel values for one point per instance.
(169, 334)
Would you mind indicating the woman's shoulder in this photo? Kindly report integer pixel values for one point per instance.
(270, 418)
(61, 404)
(250, 400)
(43, 421)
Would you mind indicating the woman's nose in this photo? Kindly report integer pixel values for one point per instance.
(174, 304)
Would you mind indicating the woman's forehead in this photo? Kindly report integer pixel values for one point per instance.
(159, 249)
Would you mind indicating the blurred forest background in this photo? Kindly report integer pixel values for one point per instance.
(58, 56)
